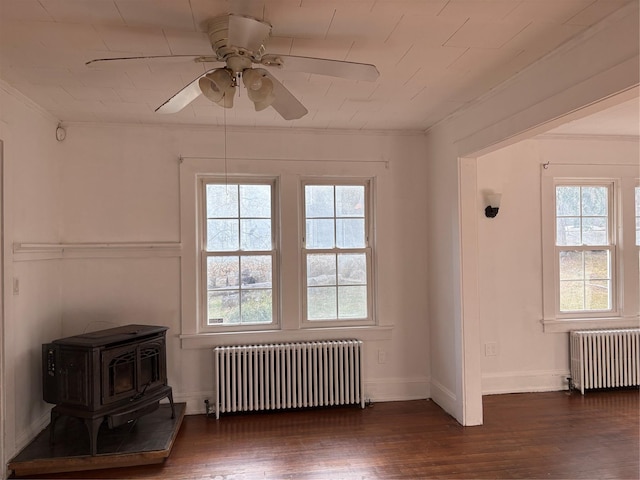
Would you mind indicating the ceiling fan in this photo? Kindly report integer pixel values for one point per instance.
(238, 42)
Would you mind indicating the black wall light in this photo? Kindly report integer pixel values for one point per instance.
(493, 204)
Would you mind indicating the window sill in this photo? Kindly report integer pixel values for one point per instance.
(210, 340)
(560, 326)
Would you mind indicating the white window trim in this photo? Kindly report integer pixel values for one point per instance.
(203, 180)
(626, 302)
(290, 328)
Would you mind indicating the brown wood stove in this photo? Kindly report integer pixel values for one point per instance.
(114, 376)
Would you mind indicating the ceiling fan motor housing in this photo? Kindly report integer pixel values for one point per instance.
(238, 36)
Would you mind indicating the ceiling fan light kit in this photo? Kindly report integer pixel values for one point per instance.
(238, 42)
(219, 87)
(259, 88)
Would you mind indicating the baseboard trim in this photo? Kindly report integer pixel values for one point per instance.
(378, 390)
(397, 389)
(444, 397)
(523, 382)
(195, 401)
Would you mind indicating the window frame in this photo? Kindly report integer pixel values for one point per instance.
(368, 250)
(624, 302)
(288, 174)
(610, 246)
(204, 254)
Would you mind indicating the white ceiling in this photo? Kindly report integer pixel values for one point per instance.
(434, 56)
(622, 119)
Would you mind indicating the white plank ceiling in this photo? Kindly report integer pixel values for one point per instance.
(434, 56)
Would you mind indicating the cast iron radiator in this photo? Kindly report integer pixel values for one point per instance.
(288, 375)
(605, 358)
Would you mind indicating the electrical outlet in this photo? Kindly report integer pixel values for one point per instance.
(382, 356)
(490, 349)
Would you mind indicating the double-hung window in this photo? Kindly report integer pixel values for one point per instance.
(590, 240)
(585, 248)
(278, 251)
(337, 251)
(238, 254)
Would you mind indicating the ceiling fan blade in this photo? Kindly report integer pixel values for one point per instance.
(247, 32)
(166, 59)
(323, 66)
(285, 103)
(182, 98)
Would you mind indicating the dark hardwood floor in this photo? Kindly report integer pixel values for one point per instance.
(537, 435)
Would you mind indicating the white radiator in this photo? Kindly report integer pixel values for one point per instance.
(605, 358)
(288, 375)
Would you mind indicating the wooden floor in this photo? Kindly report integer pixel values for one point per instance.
(541, 435)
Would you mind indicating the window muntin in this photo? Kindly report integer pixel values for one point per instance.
(239, 253)
(584, 248)
(337, 252)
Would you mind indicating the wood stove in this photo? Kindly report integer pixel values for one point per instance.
(114, 375)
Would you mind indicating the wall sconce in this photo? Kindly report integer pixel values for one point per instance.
(493, 204)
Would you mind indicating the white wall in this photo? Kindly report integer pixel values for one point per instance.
(510, 263)
(32, 211)
(120, 184)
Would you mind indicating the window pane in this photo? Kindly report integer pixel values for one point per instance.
(582, 215)
(257, 306)
(350, 201)
(594, 201)
(352, 302)
(596, 265)
(571, 265)
(350, 233)
(568, 231)
(320, 233)
(222, 235)
(352, 269)
(255, 234)
(585, 280)
(318, 201)
(222, 201)
(227, 287)
(255, 201)
(223, 307)
(594, 231)
(321, 303)
(567, 201)
(223, 272)
(321, 269)
(597, 295)
(256, 271)
(571, 296)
